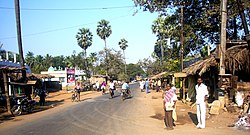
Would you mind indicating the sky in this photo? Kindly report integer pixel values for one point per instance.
(53, 32)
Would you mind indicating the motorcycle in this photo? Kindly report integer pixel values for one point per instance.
(125, 94)
(22, 104)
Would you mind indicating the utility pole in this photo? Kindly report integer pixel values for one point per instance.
(182, 38)
(223, 35)
(19, 35)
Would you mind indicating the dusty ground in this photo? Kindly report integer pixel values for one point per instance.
(185, 114)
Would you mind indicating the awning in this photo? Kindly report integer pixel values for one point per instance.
(180, 74)
(18, 83)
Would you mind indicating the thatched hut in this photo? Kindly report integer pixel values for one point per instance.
(237, 61)
(207, 68)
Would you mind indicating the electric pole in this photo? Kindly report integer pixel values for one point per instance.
(182, 38)
(223, 35)
(19, 35)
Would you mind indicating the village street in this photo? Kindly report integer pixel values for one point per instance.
(96, 114)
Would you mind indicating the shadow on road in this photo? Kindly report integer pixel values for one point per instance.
(158, 116)
(193, 117)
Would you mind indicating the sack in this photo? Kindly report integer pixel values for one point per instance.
(169, 106)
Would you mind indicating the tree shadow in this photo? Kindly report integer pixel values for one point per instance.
(193, 117)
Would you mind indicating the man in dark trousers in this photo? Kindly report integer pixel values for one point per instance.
(42, 97)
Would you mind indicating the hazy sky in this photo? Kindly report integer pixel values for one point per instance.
(53, 31)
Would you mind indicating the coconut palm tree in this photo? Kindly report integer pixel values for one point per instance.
(123, 45)
(104, 31)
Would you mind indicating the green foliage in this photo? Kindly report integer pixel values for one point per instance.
(103, 29)
(123, 44)
(84, 38)
(133, 70)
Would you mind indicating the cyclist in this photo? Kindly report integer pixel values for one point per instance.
(126, 87)
(77, 90)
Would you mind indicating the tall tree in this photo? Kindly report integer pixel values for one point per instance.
(84, 39)
(93, 58)
(123, 44)
(104, 31)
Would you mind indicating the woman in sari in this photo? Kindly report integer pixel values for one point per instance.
(169, 102)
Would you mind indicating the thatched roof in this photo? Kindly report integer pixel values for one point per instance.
(201, 66)
(40, 76)
(160, 75)
(11, 69)
(238, 59)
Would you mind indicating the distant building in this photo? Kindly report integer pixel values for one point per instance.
(66, 77)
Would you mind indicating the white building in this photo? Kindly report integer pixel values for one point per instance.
(63, 77)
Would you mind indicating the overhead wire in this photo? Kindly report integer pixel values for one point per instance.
(60, 29)
(67, 9)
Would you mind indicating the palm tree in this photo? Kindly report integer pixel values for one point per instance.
(84, 40)
(93, 58)
(123, 45)
(104, 31)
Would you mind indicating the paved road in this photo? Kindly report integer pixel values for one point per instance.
(104, 116)
(100, 116)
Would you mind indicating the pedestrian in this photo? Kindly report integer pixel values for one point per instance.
(169, 103)
(78, 89)
(97, 85)
(158, 85)
(147, 86)
(173, 88)
(111, 88)
(42, 95)
(141, 85)
(201, 98)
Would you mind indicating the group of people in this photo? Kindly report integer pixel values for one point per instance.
(111, 85)
(169, 105)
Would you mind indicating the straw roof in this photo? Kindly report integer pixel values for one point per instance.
(237, 58)
(160, 75)
(201, 66)
(12, 69)
(40, 76)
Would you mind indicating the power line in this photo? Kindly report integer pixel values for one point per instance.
(67, 9)
(59, 29)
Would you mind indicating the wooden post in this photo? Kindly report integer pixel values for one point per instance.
(223, 35)
(6, 90)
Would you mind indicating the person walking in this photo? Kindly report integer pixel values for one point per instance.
(141, 85)
(201, 98)
(147, 86)
(97, 85)
(42, 95)
(169, 103)
(158, 85)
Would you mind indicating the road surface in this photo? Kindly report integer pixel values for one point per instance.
(102, 116)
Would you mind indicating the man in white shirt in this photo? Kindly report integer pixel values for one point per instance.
(111, 88)
(201, 98)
